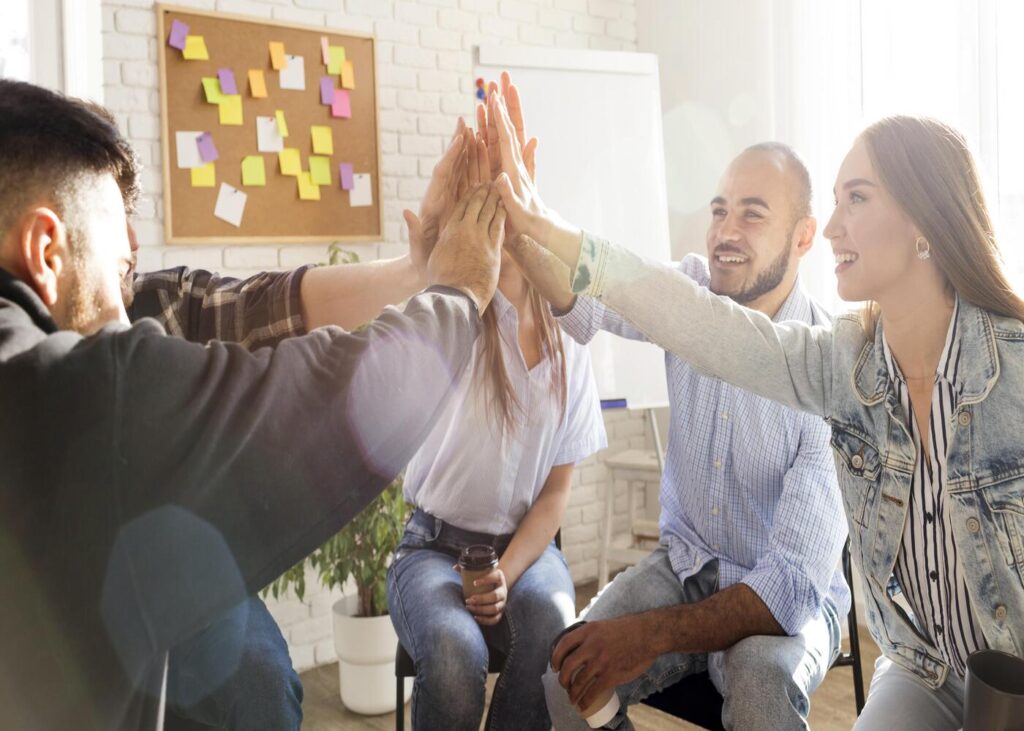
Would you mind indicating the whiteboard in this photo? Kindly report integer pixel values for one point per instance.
(601, 165)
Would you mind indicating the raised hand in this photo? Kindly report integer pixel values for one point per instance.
(468, 251)
(488, 131)
(446, 188)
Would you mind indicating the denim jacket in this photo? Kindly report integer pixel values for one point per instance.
(840, 374)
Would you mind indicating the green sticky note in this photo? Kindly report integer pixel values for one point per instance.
(308, 190)
(323, 140)
(254, 172)
(211, 88)
(291, 163)
(230, 109)
(337, 62)
(320, 169)
(204, 177)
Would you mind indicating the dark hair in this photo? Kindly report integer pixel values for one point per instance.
(50, 145)
(796, 166)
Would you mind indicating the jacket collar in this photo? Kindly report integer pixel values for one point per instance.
(17, 292)
(979, 361)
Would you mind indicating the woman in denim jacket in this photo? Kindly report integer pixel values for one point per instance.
(923, 389)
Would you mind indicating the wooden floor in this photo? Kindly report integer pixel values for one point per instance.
(832, 705)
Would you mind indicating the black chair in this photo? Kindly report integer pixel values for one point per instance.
(696, 700)
(406, 668)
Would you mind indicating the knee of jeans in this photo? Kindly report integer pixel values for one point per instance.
(755, 675)
(453, 654)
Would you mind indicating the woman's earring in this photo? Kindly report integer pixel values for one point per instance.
(924, 249)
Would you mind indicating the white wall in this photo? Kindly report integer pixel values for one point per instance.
(424, 58)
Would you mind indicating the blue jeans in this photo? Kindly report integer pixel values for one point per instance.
(765, 681)
(235, 674)
(451, 650)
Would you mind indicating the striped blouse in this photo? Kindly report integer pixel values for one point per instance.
(928, 568)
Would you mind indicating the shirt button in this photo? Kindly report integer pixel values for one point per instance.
(718, 464)
(965, 418)
(973, 525)
(929, 517)
(716, 548)
(725, 415)
(938, 629)
(857, 461)
(1000, 612)
(714, 510)
(933, 575)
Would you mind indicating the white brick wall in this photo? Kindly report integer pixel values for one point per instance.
(424, 65)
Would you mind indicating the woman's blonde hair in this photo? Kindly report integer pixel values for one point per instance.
(492, 375)
(929, 171)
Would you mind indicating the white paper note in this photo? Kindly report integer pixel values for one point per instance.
(362, 192)
(230, 204)
(293, 76)
(188, 149)
(268, 139)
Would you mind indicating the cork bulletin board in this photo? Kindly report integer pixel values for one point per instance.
(308, 174)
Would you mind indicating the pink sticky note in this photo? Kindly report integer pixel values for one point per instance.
(176, 38)
(342, 105)
(345, 175)
(325, 50)
(327, 90)
(207, 150)
(227, 81)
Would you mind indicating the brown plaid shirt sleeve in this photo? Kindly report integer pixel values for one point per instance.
(201, 306)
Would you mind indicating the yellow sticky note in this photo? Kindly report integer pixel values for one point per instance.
(308, 191)
(257, 84)
(277, 57)
(291, 163)
(195, 49)
(231, 109)
(205, 176)
(348, 76)
(253, 170)
(282, 126)
(320, 170)
(337, 54)
(211, 89)
(323, 140)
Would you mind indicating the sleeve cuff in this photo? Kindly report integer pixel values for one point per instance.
(588, 277)
(789, 596)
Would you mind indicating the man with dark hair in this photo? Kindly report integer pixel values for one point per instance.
(150, 484)
(738, 576)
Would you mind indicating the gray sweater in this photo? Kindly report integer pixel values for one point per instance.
(149, 484)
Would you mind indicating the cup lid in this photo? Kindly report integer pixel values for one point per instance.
(478, 557)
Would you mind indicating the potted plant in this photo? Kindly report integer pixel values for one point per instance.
(364, 637)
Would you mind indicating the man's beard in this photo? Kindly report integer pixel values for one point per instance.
(770, 278)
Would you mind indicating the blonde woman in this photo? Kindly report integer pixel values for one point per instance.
(496, 469)
(923, 389)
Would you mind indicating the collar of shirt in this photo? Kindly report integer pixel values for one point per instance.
(948, 368)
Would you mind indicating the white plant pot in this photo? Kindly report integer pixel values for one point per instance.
(366, 659)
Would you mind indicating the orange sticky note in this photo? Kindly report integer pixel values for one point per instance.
(348, 76)
(257, 84)
(282, 126)
(195, 49)
(205, 176)
(277, 57)
(291, 163)
(230, 110)
(308, 190)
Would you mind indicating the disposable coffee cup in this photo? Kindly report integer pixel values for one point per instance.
(994, 692)
(474, 562)
(604, 708)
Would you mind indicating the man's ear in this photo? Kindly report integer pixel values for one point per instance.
(803, 234)
(42, 249)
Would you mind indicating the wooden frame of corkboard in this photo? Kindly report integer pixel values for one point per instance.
(273, 213)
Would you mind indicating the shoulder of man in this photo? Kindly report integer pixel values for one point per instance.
(696, 268)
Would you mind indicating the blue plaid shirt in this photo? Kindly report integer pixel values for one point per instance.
(747, 481)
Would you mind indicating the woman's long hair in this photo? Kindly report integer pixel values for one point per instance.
(926, 167)
(492, 375)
